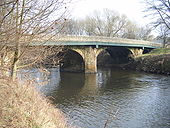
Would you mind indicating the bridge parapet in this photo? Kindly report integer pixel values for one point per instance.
(93, 40)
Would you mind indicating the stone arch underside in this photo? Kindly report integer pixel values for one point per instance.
(86, 58)
(89, 54)
(72, 61)
(114, 55)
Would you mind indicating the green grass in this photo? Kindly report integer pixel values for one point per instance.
(158, 51)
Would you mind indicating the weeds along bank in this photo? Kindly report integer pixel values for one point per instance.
(21, 106)
(157, 61)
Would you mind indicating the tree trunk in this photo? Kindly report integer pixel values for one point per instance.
(15, 61)
(19, 23)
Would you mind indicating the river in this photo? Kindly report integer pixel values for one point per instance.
(111, 98)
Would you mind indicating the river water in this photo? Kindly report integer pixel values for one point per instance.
(111, 98)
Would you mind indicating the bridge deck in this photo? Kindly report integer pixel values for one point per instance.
(97, 41)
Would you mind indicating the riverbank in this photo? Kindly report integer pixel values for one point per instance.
(157, 61)
(21, 106)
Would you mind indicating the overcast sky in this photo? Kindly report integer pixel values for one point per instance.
(132, 8)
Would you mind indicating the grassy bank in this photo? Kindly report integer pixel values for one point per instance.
(21, 106)
(159, 51)
(157, 61)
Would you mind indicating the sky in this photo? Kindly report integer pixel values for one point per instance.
(131, 8)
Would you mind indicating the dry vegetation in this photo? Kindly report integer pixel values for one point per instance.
(21, 21)
(21, 106)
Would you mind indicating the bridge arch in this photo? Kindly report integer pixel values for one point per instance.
(87, 57)
(79, 59)
(89, 54)
(114, 55)
(72, 61)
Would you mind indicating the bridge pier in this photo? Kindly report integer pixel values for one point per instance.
(136, 51)
(90, 59)
(89, 55)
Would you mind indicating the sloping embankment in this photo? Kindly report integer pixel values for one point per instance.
(21, 106)
(157, 61)
(154, 63)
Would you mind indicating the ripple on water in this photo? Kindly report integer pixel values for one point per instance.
(125, 99)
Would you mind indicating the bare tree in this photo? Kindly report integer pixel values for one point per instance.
(73, 27)
(135, 31)
(90, 26)
(107, 23)
(159, 10)
(164, 35)
(22, 21)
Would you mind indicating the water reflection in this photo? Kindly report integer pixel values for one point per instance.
(68, 89)
(53, 80)
(127, 99)
(90, 86)
(75, 87)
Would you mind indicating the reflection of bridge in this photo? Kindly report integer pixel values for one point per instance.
(90, 47)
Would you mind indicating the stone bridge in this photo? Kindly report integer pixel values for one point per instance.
(90, 47)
